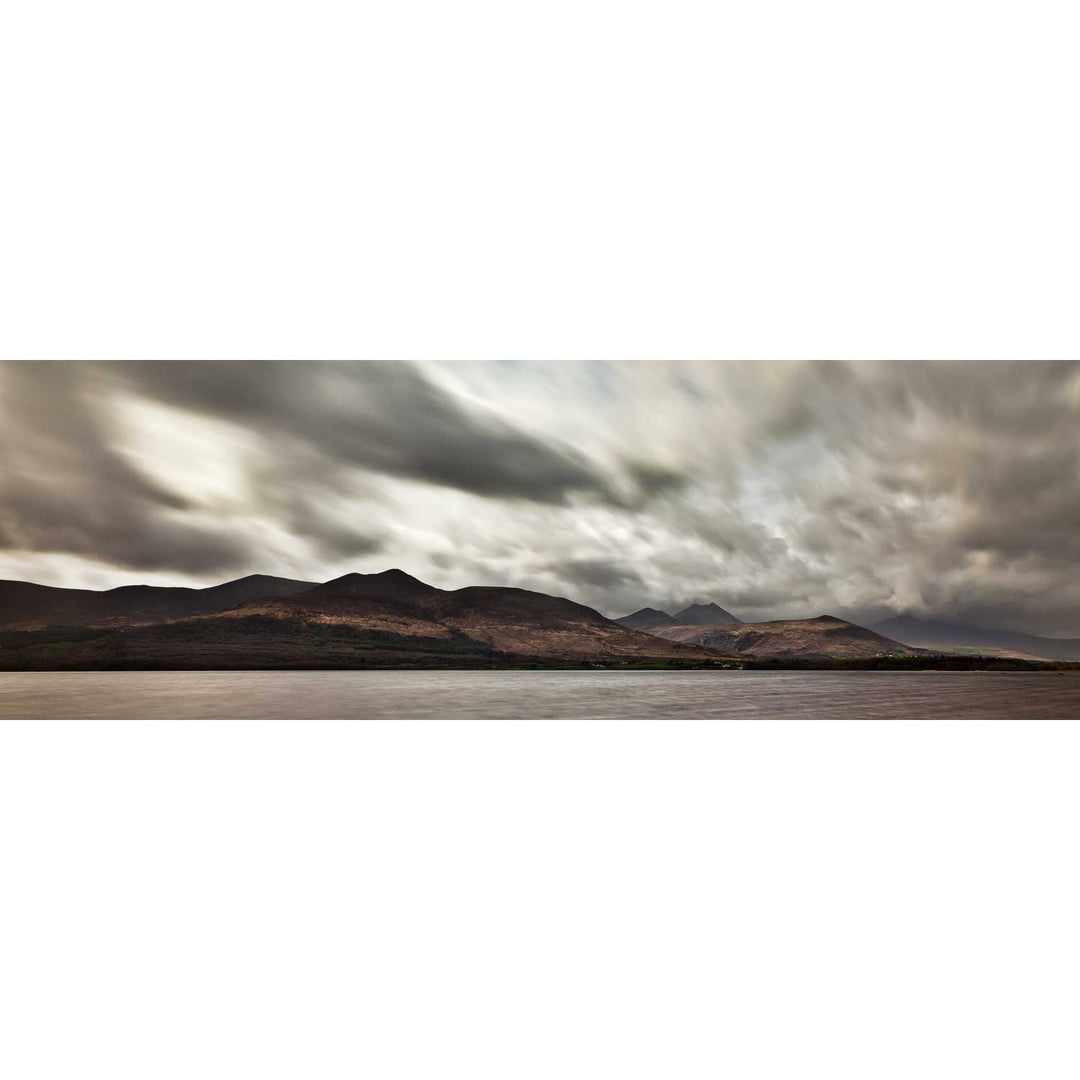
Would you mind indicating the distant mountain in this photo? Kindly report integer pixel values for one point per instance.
(24, 604)
(822, 637)
(704, 615)
(947, 636)
(645, 619)
(356, 621)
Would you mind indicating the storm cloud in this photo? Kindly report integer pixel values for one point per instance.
(386, 417)
(782, 489)
(65, 489)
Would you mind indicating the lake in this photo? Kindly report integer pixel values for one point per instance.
(495, 695)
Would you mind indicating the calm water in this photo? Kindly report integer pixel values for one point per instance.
(538, 695)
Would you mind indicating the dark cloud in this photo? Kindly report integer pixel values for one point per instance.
(385, 417)
(302, 513)
(651, 479)
(64, 488)
(315, 501)
(596, 573)
(959, 482)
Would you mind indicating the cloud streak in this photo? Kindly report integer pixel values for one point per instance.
(383, 417)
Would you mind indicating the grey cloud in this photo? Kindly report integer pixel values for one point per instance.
(315, 500)
(330, 538)
(950, 488)
(957, 482)
(65, 489)
(653, 479)
(385, 417)
(597, 573)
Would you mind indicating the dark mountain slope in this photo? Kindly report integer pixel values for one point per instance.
(535, 624)
(645, 619)
(513, 605)
(390, 585)
(933, 634)
(822, 637)
(252, 587)
(25, 604)
(704, 615)
(265, 635)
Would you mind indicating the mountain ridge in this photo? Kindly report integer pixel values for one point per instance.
(391, 584)
(24, 603)
(392, 618)
(824, 636)
(942, 634)
(356, 620)
(648, 618)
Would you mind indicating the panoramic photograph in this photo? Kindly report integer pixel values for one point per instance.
(539, 540)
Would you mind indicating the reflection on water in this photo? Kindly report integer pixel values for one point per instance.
(374, 695)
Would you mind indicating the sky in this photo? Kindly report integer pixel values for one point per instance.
(775, 489)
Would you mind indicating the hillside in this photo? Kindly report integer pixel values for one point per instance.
(933, 634)
(822, 637)
(25, 605)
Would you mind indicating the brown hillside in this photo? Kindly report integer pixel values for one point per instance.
(824, 636)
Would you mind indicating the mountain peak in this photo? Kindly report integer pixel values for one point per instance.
(391, 584)
(705, 615)
(646, 618)
(257, 580)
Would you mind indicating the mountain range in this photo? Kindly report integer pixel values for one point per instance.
(821, 636)
(825, 636)
(695, 615)
(24, 604)
(709, 625)
(955, 637)
(358, 620)
(392, 619)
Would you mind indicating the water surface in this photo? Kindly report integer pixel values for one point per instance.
(371, 695)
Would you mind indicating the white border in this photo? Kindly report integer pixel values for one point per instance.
(478, 179)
